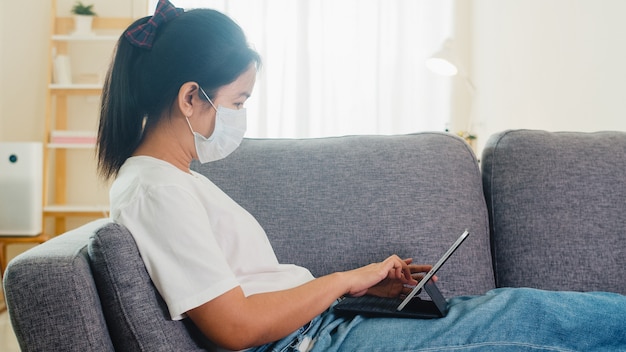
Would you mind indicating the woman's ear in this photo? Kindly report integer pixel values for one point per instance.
(185, 97)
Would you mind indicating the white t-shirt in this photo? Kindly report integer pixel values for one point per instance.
(196, 242)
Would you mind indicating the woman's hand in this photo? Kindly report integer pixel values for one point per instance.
(386, 279)
(396, 288)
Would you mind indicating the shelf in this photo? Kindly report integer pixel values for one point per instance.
(84, 37)
(75, 89)
(65, 25)
(64, 139)
(76, 210)
(75, 86)
(38, 237)
(71, 145)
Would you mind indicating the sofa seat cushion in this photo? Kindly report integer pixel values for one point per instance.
(135, 313)
(557, 205)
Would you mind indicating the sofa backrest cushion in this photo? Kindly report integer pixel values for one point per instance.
(336, 203)
(136, 314)
(557, 205)
(52, 297)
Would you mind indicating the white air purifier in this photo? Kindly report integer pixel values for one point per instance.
(21, 173)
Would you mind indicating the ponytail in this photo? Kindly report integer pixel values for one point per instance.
(121, 118)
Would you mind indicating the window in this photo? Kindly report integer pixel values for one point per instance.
(341, 67)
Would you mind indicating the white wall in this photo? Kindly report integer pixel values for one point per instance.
(2, 79)
(24, 42)
(462, 94)
(553, 65)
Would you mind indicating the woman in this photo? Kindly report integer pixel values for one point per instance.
(175, 92)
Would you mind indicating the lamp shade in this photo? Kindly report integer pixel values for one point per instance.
(443, 62)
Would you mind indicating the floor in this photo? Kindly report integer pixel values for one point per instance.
(8, 342)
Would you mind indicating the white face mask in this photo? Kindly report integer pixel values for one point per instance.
(230, 126)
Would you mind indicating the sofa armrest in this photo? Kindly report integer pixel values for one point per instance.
(52, 298)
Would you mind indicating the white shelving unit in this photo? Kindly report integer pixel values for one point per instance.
(59, 152)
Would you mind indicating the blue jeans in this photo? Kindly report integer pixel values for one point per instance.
(519, 319)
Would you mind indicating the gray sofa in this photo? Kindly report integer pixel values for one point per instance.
(545, 210)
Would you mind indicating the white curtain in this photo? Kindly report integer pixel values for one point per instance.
(342, 67)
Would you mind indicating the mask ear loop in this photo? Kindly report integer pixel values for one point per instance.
(189, 124)
(207, 98)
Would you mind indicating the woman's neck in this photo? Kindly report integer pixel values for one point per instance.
(170, 141)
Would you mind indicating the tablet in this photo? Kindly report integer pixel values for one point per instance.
(411, 306)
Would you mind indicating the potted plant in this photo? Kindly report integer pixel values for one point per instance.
(469, 137)
(83, 18)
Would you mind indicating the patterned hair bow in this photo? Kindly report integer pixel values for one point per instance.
(143, 35)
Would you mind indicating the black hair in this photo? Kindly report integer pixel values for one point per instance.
(203, 46)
